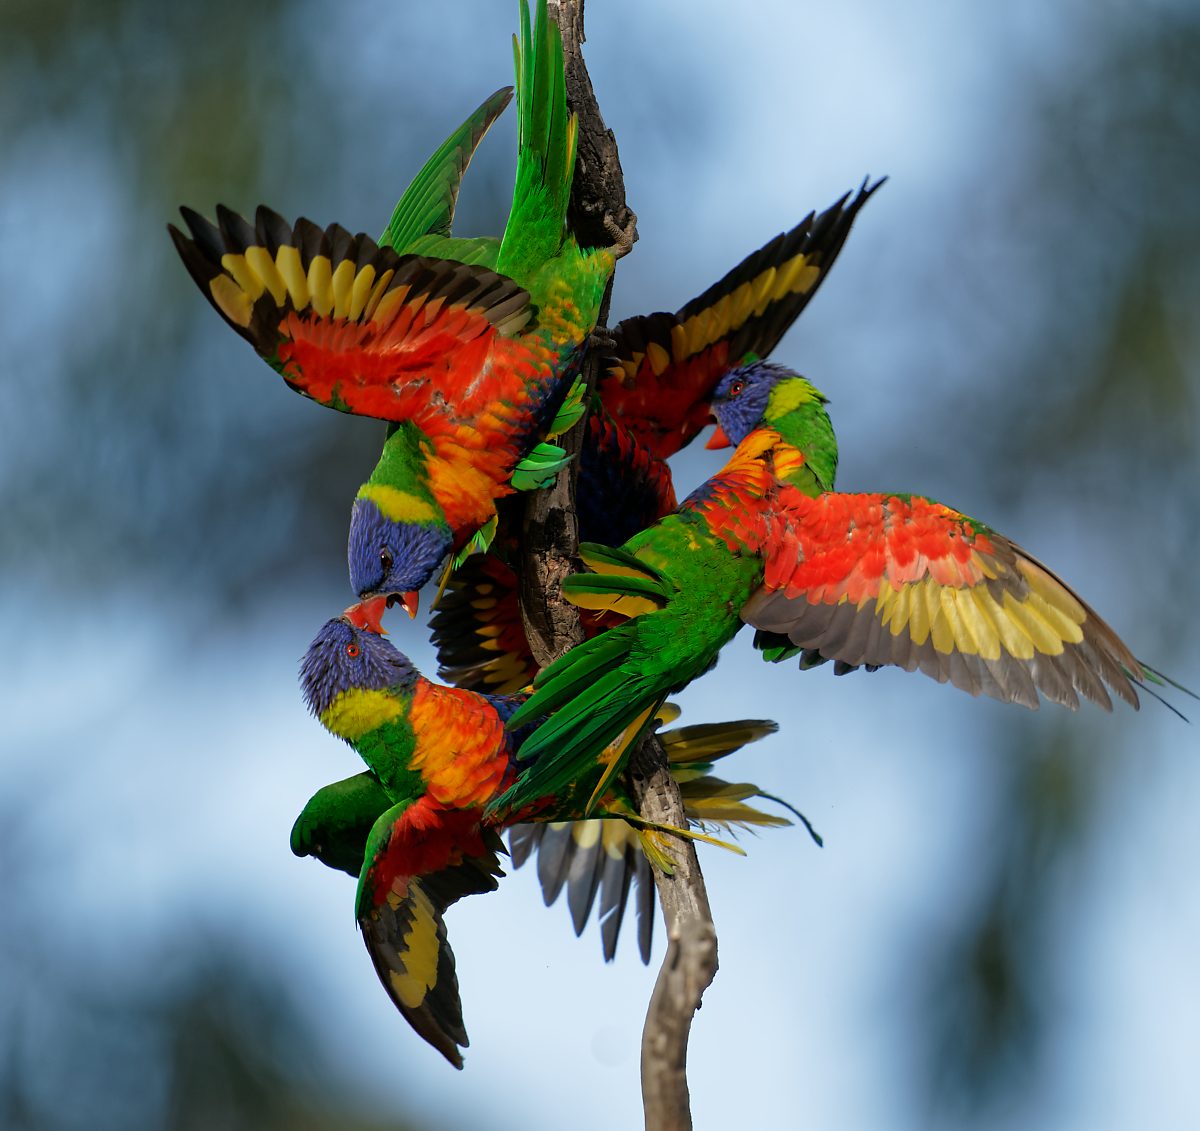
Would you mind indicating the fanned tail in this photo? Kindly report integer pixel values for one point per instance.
(609, 859)
(592, 860)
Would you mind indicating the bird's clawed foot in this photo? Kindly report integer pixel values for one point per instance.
(623, 236)
(601, 340)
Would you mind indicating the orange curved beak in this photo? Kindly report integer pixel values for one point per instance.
(368, 615)
(718, 439)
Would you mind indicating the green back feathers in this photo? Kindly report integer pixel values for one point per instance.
(335, 823)
(545, 150)
(427, 206)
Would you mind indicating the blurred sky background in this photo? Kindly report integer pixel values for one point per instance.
(1001, 930)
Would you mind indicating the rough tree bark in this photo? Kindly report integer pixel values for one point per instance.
(599, 211)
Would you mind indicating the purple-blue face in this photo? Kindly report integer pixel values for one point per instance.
(392, 557)
(739, 401)
(344, 657)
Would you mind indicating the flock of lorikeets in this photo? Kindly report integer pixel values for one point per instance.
(470, 350)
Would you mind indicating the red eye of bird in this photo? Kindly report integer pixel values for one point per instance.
(736, 387)
(385, 560)
(352, 650)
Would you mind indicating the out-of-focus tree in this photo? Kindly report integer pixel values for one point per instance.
(215, 1043)
(137, 417)
(1086, 378)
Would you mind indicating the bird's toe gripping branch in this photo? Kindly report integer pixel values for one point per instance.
(623, 236)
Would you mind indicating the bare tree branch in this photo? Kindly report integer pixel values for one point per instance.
(690, 963)
(598, 212)
(551, 532)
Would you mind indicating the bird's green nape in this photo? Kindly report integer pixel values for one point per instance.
(796, 409)
(399, 482)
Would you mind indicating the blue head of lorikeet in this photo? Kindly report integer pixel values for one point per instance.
(392, 557)
(741, 401)
(342, 657)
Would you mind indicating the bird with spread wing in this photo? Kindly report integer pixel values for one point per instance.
(860, 579)
(467, 347)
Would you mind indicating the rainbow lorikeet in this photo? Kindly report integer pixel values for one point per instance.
(414, 828)
(861, 579)
(466, 346)
(651, 401)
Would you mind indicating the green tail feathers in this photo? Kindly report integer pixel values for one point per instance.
(571, 675)
(707, 742)
(427, 207)
(590, 698)
(545, 148)
(421, 221)
(588, 694)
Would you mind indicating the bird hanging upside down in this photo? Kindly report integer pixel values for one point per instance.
(467, 347)
(414, 828)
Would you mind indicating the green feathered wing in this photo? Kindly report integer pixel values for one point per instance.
(423, 216)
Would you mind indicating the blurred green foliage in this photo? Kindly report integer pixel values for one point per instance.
(1092, 286)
